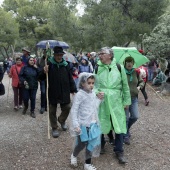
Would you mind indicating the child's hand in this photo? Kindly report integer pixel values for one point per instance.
(77, 129)
(100, 95)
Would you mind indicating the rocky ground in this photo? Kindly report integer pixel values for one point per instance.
(24, 144)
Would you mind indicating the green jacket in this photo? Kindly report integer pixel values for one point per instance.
(114, 84)
(136, 81)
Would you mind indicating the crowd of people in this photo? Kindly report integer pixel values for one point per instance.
(105, 96)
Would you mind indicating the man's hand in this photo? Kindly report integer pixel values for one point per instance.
(46, 69)
(100, 95)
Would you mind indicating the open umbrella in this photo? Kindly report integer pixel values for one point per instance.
(120, 53)
(52, 44)
(69, 57)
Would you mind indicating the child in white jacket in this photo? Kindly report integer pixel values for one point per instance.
(84, 121)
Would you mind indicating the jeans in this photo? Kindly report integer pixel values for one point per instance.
(43, 94)
(17, 96)
(118, 141)
(29, 94)
(150, 74)
(132, 114)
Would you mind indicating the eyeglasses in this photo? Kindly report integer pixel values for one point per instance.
(129, 62)
(102, 53)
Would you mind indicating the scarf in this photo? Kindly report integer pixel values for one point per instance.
(130, 73)
(62, 63)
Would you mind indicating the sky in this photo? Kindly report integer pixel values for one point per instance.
(1, 1)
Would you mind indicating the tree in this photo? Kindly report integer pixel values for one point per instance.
(158, 42)
(9, 32)
(119, 22)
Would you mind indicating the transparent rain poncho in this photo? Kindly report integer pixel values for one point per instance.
(84, 115)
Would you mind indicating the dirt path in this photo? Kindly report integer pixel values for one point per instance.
(24, 144)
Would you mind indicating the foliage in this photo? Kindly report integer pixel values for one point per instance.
(119, 22)
(158, 42)
(8, 33)
(104, 23)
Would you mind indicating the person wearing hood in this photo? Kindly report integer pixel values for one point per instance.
(61, 84)
(85, 66)
(29, 78)
(16, 84)
(111, 80)
(160, 77)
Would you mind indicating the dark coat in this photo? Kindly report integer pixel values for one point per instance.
(1, 73)
(61, 83)
(29, 74)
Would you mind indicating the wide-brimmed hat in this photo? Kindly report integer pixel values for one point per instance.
(58, 50)
(26, 49)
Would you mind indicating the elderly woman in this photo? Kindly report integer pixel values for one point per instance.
(16, 85)
(29, 77)
(135, 84)
(111, 79)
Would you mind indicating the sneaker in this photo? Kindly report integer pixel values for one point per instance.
(126, 141)
(20, 107)
(73, 160)
(89, 167)
(16, 108)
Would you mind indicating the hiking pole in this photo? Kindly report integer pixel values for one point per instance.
(46, 58)
(155, 92)
(8, 92)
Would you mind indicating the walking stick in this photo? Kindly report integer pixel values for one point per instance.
(155, 92)
(8, 91)
(47, 85)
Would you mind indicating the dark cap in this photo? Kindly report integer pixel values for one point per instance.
(58, 50)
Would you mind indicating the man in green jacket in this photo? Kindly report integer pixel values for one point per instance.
(111, 80)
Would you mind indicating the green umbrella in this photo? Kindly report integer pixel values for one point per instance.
(120, 53)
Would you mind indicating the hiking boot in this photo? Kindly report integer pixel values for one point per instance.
(89, 167)
(42, 110)
(32, 114)
(55, 133)
(24, 110)
(126, 140)
(63, 125)
(73, 160)
(121, 158)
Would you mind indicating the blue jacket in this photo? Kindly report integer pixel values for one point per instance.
(29, 74)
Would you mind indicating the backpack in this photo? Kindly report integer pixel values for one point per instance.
(142, 72)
